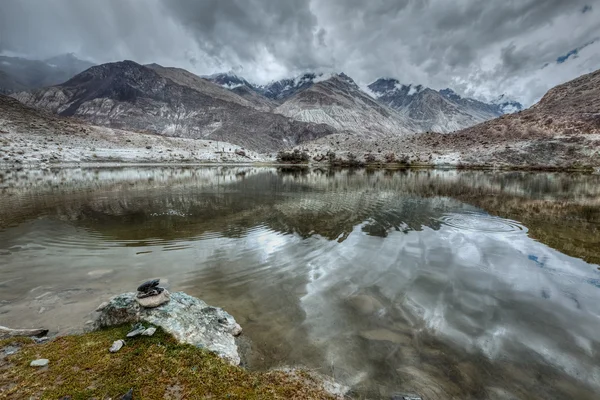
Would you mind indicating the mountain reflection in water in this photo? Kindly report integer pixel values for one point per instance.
(445, 283)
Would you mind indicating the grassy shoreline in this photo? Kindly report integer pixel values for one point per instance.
(157, 367)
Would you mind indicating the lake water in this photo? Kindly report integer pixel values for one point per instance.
(446, 284)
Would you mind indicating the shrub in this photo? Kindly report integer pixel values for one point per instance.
(370, 158)
(390, 157)
(293, 157)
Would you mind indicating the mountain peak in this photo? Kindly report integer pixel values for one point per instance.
(229, 80)
(450, 94)
(507, 104)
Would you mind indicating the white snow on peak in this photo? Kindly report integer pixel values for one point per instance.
(230, 85)
(414, 89)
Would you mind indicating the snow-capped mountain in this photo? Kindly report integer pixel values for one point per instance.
(286, 88)
(336, 100)
(242, 88)
(507, 105)
(228, 80)
(430, 110)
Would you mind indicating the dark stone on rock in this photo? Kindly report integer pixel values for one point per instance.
(148, 286)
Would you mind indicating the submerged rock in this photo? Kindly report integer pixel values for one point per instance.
(188, 319)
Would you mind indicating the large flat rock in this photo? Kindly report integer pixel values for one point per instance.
(188, 319)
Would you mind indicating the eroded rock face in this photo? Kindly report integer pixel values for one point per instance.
(188, 319)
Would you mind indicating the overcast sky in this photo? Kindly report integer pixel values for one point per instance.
(480, 48)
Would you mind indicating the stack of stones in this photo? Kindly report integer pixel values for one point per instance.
(150, 295)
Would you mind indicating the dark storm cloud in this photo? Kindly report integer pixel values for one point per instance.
(480, 47)
(247, 28)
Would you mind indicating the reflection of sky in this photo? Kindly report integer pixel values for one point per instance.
(499, 293)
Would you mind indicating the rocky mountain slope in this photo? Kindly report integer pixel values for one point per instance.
(441, 111)
(38, 138)
(561, 131)
(126, 95)
(17, 74)
(339, 102)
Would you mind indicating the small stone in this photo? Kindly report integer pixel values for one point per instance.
(102, 306)
(42, 362)
(237, 330)
(154, 301)
(9, 350)
(117, 345)
(405, 397)
(149, 332)
(41, 340)
(137, 330)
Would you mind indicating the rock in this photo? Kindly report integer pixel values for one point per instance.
(236, 330)
(128, 395)
(117, 345)
(137, 330)
(384, 335)
(405, 397)
(101, 306)
(100, 273)
(148, 286)
(8, 351)
(41, 340)
(364, 304)
(154, 301)
(149, 332)
(8, 332)
(42, 362)
(188, 319)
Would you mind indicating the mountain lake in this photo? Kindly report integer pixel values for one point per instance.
(441, 283)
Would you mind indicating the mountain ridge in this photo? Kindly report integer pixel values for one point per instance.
(127, 95)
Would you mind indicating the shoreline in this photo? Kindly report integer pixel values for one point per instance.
(194, 348)
(374, 166)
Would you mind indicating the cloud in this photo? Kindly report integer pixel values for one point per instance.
(480, 48)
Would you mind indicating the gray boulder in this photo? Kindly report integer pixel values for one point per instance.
(188, 319)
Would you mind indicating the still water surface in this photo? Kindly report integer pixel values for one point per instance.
(442, 283)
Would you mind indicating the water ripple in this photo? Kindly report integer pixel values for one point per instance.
(479, 222)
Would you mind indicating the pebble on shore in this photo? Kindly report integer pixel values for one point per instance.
(42, 362)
